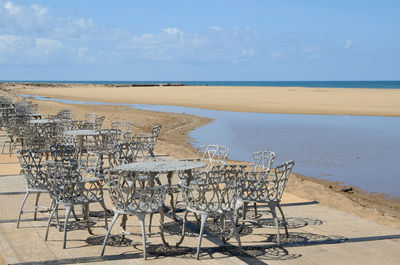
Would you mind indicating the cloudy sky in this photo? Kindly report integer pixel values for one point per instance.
(200, 40)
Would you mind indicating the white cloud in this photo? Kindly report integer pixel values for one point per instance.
(172, 31)
(47, 46)
(216, 28)
(172, 44)
(34, 33)
(348, 44)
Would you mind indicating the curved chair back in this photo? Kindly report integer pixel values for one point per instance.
(263, 160)
(61, 152)
(265, 186)
(213, 155)
(212, 192)
(33, 170)
(125, 127)
(147, 142)
(132, 195)
(69, 186)
(282, 174)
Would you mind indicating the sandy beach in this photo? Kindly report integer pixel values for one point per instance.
(174, 139)
(176, 127)
(299, 100)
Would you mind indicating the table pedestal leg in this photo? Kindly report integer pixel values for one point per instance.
(169, 176)
(123, 225)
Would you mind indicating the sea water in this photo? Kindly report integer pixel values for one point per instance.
(331, 84)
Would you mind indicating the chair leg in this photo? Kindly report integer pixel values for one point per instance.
(161, 211)
(36, 206)
(74, 214)
(49, 221)
(198, 223)
(86, 217)
(245, 204)
(283, 219)
(123, 225)
(183, 229)
(105, 214)
(21, 208)
(116, 215)
(222, 219)
(278, 237)
(150, 220)
(67, 213)
(142, 225)
(203, 222)
(231, 217)
(56, 214)
(255, 211)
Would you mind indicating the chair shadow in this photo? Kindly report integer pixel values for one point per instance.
(251, 255)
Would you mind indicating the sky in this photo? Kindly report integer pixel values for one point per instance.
(207, 40)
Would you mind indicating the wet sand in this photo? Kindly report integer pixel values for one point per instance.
(174, 141)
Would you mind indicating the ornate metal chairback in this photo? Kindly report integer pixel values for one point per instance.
(61, 152)
(213, 155)
(282, 174)
(263, 160)
(130, 194)
(147, 142)
(25, 107)
(213, 191)
(267, 186)
(69, 186)
(107, 140)
(15, 123)
(125, 127)
(33, 169)
(129, 152)
(35, 140)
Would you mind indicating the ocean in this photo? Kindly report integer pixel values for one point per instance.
(332, 84)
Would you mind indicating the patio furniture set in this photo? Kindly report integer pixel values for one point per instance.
(77, 163)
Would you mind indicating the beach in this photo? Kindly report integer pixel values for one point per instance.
(298, 100)
(176, 127)
(174, 139)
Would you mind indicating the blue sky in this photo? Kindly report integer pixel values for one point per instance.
(200, 40)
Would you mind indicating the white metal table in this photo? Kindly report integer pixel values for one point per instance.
(154, 168)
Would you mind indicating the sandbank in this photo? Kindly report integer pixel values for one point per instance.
(299, 100)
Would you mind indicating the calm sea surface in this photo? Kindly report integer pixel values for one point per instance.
(337, 84)
(356, 150)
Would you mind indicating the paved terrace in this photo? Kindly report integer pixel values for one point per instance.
(318, 235)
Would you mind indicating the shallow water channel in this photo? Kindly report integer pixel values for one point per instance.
(357, 150)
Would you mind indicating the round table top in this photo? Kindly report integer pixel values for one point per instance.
(41, 121)
(82, 132)
(160, 166)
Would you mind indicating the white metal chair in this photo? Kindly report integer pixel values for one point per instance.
(215, 194)
(266, 188)
(33, 170)
(132, 195)
(69, 188)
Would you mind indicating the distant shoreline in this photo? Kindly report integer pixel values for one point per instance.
(379, 84)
